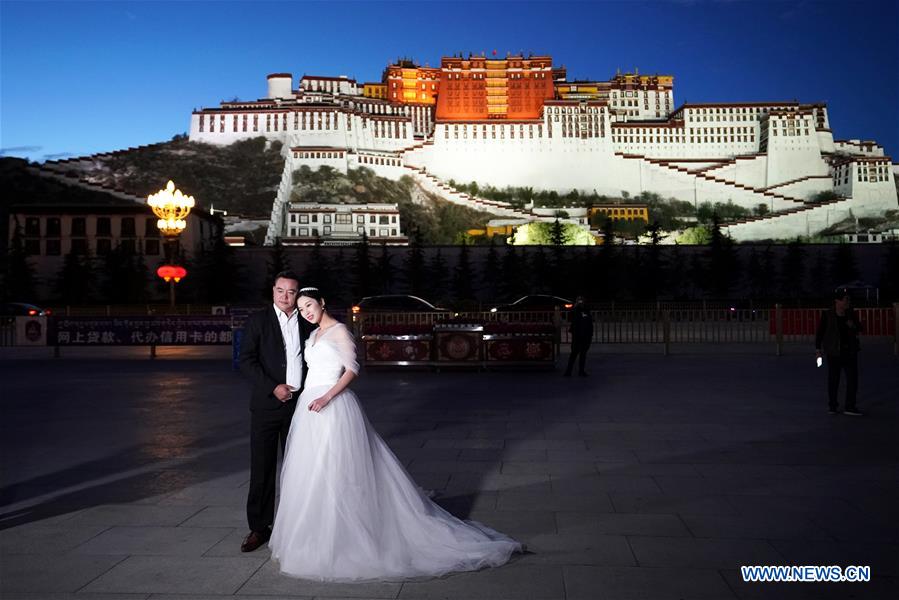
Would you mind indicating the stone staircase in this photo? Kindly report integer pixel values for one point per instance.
(759, 196)
(438, 187)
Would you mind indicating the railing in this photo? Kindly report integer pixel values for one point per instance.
(8, 334)
(666, 326)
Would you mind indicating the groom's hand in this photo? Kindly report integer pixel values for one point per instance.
(282, 392)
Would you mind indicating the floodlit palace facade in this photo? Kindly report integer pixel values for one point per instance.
(518, 121)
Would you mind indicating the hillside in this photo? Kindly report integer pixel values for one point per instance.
(437, 221)
(241, 178)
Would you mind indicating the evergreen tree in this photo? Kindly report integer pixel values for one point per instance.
(793, 271)
(218, 274)
(437, 278)
(542, 272)
(75, 280)
(653, 271)
(607, 263)
(341, 281)
(513, 275)
(722, 262)
(820, 276)
(889, 277)
(491, 275)
(385, 271)
(137, 280)
(362, 269)
(557, 233)
(463, 279)
(317, 272)
(677, 273)
(755, 282)
(843, 266)
(19, 283)
(414, 266)
(277, 261)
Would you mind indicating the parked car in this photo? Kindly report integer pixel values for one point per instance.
(394, 303)
(20, 309)
(535, 302)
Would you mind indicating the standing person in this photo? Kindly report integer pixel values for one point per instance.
(349, 511)
(837, 337)
(581, 329)
(271, 356)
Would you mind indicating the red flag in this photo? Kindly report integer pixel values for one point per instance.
(494, 53)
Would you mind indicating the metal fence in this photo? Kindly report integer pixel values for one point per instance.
(654, 325)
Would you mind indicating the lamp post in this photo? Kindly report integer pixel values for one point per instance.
(172, 208)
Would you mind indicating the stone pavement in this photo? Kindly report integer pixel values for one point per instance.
(655, 478)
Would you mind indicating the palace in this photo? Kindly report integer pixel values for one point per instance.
(518, 121)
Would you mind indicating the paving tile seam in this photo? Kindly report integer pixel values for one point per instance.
(247, 580)
(99, 575)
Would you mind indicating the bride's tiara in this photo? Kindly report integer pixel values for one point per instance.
(309, 289)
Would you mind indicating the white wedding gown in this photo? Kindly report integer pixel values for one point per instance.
(349, 511)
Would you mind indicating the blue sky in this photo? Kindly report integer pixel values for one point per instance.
(84, 77)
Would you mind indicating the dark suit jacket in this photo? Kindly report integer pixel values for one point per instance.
(263, 358)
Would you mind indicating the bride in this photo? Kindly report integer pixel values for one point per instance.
(349, 511)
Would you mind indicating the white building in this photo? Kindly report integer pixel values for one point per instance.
(780, 154)
(308, 223)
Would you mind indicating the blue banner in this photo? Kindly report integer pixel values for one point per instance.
(139, 331)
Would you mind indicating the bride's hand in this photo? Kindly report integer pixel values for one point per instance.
(319, 403)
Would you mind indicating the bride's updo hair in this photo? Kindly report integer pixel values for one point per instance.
(312, 292)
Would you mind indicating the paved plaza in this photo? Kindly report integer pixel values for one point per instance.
(655, 478)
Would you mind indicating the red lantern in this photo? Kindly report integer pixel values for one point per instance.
(168, 272)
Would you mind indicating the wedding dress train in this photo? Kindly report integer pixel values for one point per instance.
(349, 511)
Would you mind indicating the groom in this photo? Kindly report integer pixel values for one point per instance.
(271, 356)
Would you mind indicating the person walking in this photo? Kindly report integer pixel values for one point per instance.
(837, 338)
(581, 329)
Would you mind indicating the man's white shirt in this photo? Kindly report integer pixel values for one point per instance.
(293, 345)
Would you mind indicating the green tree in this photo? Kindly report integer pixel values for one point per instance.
(513, 274)
(793, 271)
(438, 273)
(652, 273)
(557, 234)
(125, 280)
(843, 266)
(219, 274)
(277, 261)
(463, 279)
(318, 272)
(889, 276)
(723, 263)
(75, 280)
(19, 283)
(414, 266)
(362, 268)
(385, 273)
(491, 274)
(542, 270)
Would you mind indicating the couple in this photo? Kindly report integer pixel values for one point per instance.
(349, 511)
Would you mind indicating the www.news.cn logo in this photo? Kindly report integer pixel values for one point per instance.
(806, 573)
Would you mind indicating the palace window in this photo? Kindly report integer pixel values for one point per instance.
(79, 227)
(79, 246)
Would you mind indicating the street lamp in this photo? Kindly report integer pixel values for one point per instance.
(172, 208)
